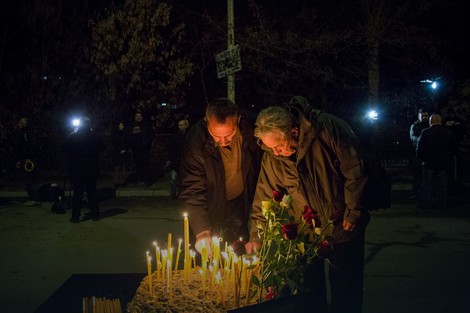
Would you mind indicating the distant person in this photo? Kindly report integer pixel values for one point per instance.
(83, 148)
(27, 148)
(120, 152)
(415, 131)
(140, 142)
(435, 148)
(176, 150)
(457, 126)
(219, 169)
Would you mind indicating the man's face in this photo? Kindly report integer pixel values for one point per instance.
(423, 116)
(182, 126)
(138, 117)
(223, 133)
(280, 145)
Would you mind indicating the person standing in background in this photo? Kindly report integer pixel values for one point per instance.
(176, 149)
(120, 155)
(83, 148)
(140, 142)
(415, 131)
(27, 153)
(435, 148)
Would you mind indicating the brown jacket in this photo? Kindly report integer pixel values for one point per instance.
(327, 175)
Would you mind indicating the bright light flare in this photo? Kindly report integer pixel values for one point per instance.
(76, 122)
(373, 115)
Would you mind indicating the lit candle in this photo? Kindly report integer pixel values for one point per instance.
(192, 253)
(178, 254)
(157, 259)
(169, 248)
(186, 248)
(149, 272)
(163, 264)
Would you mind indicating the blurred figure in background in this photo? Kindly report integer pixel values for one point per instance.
(415, 131)
(140, 142)
(27, 152)
(120, 155)
(176, 149)
(457, 126)
(435, 148)
(83, 148)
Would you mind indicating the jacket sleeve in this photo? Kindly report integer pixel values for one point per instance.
(345, 145)
(268, 181)
(193, 189)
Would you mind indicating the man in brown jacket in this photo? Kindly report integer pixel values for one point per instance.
(218, 173)
(316, 160)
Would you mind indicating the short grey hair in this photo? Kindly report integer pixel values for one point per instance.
(272, 119)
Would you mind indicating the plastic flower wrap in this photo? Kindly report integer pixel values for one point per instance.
(289, 244)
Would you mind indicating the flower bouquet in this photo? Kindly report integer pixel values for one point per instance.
(289, 244)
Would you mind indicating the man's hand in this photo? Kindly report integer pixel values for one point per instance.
(204, 238)
(252, 246)
(347, 226)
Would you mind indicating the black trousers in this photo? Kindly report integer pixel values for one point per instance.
(346, 278)
(79, 187)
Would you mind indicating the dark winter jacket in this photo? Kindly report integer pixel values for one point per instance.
(415, 131)
(202, 177)
(436, 145)
(83, 149)
(326, 175)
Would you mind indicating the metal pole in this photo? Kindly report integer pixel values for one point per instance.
(230, 44)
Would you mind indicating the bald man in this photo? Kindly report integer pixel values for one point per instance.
(435, 148)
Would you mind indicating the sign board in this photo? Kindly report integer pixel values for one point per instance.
(228, 61)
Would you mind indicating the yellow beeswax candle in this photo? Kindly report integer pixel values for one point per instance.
(187, 258)
(149, 272)
(178, 252)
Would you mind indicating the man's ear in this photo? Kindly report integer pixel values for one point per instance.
(295, 132)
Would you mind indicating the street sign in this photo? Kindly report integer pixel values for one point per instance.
(228, 61)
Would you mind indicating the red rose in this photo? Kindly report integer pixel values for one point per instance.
(277, 196)
(271, 294)
(289, 231)
(324, 249)
(309, 214)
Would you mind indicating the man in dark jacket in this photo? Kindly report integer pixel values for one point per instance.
(218, 173)
(435, 148)
(27, 152)
(316, 159)
(415, 131)
(83, 148)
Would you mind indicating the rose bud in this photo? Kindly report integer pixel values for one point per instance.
(277, 196)
(289, 231)
(271, 294)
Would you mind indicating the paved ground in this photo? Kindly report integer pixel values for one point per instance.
(415, 261)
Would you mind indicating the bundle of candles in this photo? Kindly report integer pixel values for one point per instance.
(100, 305)
(225, 277)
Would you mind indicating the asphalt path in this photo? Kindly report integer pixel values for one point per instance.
(415, 261)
